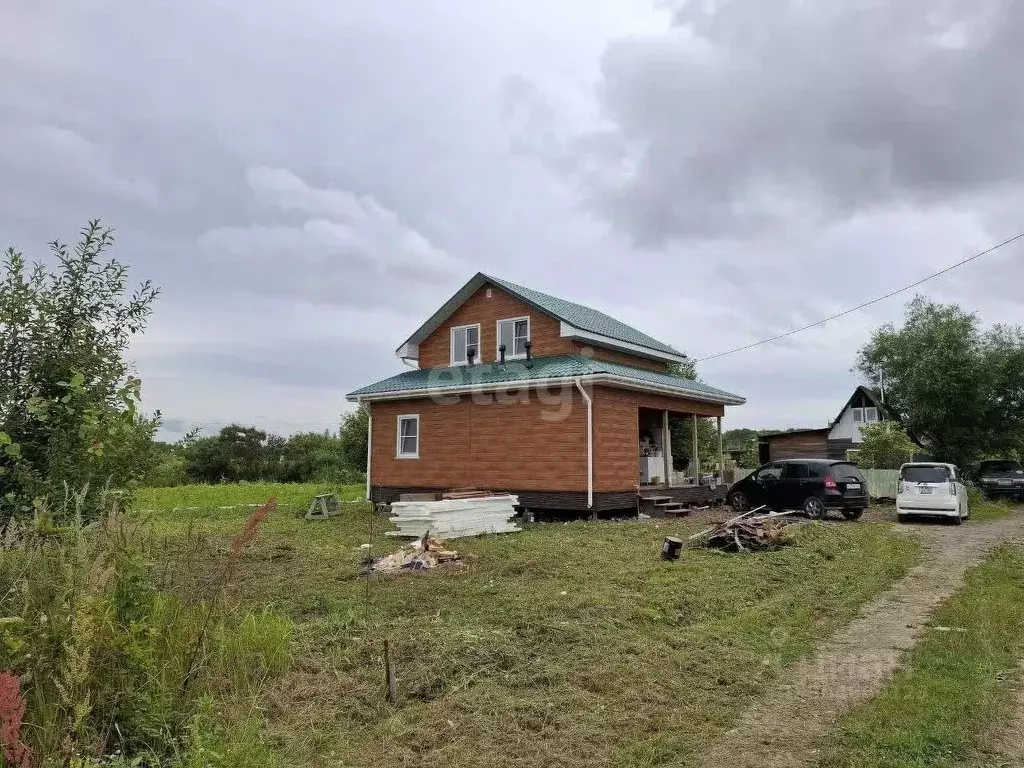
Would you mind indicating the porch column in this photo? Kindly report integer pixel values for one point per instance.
(696, 458)
(666, 447)
(721, 453)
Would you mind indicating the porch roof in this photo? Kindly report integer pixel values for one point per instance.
(460, 378)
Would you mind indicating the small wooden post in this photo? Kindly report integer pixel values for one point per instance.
(666, 447)
(721, 453)
(696, 458)
(389, 664)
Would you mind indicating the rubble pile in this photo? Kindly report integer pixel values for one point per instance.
(422, 554)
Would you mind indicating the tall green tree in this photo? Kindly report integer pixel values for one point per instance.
(958, 388)
(354, 437)
(68, 402)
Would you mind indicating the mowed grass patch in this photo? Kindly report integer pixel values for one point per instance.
(955, 683)
(232, 494)
(563, 644)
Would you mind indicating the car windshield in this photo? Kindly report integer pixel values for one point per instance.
(843, 472)
(1000, 466)
(925, 474)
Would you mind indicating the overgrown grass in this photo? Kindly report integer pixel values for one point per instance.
(564, 644)
(954, 684)
(983, 508)
(232, 494)
(112, 657)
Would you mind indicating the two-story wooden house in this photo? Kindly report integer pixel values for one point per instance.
(522, 392)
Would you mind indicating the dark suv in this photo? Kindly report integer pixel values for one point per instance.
(813, 485)
(1001, 478)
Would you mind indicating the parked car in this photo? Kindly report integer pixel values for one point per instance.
(932, 488)
(1002, 478)
(812, 485)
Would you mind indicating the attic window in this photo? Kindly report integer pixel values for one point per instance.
(870, 415)
(464, 338)
(514, 333)
(858, 415)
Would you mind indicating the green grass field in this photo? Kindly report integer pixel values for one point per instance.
(954, 687)
(563, 644)
(233, 494)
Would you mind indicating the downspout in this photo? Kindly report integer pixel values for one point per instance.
(590, 443)
(369, 447)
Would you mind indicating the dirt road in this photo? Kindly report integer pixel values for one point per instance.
(786, 727)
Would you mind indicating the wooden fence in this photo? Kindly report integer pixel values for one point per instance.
(882, 483)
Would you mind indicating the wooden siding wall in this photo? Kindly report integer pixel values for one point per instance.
(617, 432)
(435, 350)
(799, 446)
(615, 356)
(529, 441)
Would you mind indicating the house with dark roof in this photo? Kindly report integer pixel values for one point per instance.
(522, 392)
(838, 440)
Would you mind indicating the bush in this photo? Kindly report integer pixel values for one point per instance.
(885, 446)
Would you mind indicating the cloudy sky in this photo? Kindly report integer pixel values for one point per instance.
(308, 181)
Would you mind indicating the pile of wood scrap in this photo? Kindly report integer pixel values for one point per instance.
(423, 554)
(454, 518)
(749, 532)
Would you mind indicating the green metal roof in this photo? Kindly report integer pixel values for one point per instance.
(584, 318)
(437, 380)
(578, 316)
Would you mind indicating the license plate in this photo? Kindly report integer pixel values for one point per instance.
(1004, 482)
(853, 486)
(924, 489)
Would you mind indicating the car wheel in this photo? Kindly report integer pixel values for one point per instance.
(853, 514)
(902, 518)
(738, 502)
(814, 507)
(967, 511)
(958, 520)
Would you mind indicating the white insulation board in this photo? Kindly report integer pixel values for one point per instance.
(454, 518)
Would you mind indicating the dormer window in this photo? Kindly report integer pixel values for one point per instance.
(464, 338)
(514, 332)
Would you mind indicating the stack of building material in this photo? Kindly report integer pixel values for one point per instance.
(454, 518)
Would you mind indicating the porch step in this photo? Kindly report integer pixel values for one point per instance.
(676, 510)
(656, 499)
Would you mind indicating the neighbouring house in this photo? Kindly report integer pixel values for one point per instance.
(519, 391)
(839, 440)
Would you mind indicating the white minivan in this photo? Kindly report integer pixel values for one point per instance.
(932, 488)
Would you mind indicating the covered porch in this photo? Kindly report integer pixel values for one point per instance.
(689, 471)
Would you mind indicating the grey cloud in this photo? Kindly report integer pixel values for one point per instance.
(753, 114)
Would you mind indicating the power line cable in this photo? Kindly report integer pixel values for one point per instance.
(865, 304)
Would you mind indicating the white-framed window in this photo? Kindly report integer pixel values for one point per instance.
(858, 415)
(465, 337)
(408, 444)
(870, 415)
(514, 332)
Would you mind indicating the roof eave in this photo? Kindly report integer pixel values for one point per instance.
(600, 378)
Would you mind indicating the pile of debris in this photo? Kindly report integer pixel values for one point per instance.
(453, 518)
(749, 532)
(423, 554)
